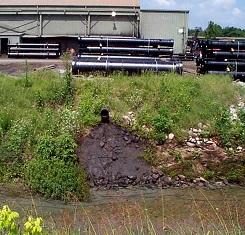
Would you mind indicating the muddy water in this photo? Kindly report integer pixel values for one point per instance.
(172, 205)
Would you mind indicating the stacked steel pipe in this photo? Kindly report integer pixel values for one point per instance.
(125, 54)
(222, 57)
(34, 50)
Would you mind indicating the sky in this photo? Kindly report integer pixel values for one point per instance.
(222, 12)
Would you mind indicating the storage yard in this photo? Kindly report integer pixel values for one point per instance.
(109, 36)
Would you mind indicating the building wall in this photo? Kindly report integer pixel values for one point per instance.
(71, 21)
(20, 22)
(165, 24)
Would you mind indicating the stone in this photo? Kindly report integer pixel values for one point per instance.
(200, 184)
(219, 183)
(131, 114)
(202, 180)
(126, 138)
(131, 177)
(136, 139)
(102, 144)
(191, 145)
(239, 148)
(197, 180)
(200, 125)
(225, 181)
(199, 143)
(193, 140)
(127, 120)
(114, 158)
(182, 177)
(171, 136)
(195, 130)
(155, 176)
(167, 180)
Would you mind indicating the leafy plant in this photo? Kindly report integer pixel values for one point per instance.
(33, 226)
(162, 124)
(57, 179)
(61, 147)
(8, 221)
(209, 174)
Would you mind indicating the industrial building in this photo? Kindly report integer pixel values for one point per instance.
(62, 21)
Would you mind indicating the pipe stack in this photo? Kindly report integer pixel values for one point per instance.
(222, 57)
(125, 54)
(34, 50)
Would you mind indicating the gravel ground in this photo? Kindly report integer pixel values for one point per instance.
(18, 66)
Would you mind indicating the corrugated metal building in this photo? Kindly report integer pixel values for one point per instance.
(165, 24)
(62, 21)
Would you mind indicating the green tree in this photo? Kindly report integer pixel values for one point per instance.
(213, 30)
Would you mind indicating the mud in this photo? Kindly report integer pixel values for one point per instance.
(112, 157)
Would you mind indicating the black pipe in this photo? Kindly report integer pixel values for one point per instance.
(105, 41)
(32, 49)
(215, 44)
(126, 50)
(105, 115)
(126, 65)
(34, 45)
(228, 55)
(37, 55)
(222, 66)
(99, 57)
(242, 74)
(121, 59)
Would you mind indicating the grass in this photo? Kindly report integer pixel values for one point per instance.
(55, 110)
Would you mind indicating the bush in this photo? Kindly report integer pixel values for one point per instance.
(5, 123)
(162, 124)
(10, 225)
(61, 147)
(92, 101)
(57, 179)
(231, 133)
(18, 135)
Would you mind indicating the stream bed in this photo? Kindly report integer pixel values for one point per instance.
(164, 209)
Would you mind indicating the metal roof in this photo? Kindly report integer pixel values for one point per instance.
(165, 11)
(116, 3)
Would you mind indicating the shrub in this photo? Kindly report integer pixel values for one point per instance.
(92, 101)
(209, 174)
(18, 135)
(9, 223)
(231, 133)
(57, 179)
(61, 147)
(5, 122)
(162, 124)
(8, 220)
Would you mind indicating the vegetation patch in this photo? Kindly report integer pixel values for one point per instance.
(42, 114)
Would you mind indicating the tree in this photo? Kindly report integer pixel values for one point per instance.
(213, 30)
